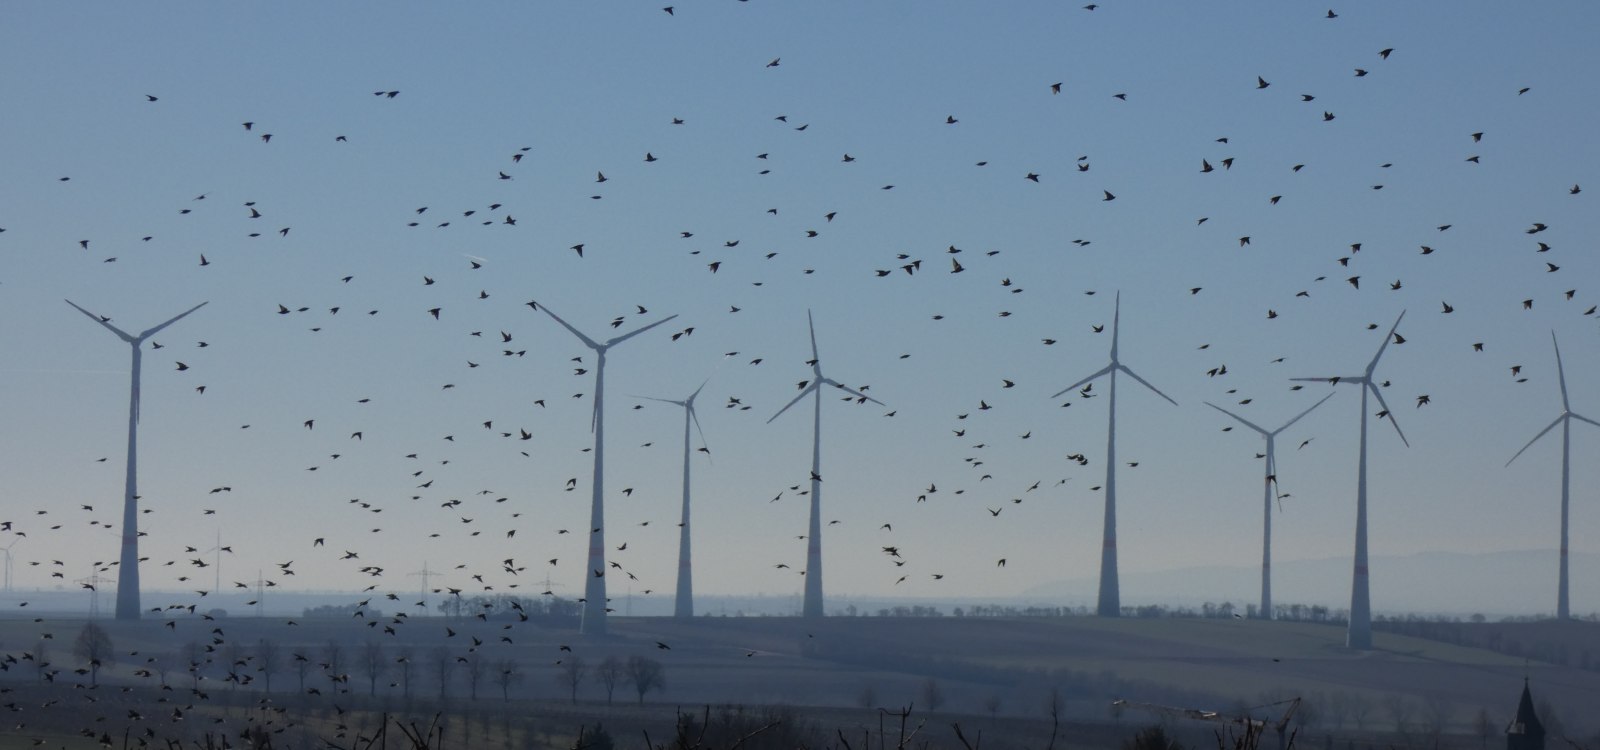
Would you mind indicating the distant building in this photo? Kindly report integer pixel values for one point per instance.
(1525, 732)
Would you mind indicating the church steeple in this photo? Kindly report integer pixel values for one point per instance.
(1525, 731)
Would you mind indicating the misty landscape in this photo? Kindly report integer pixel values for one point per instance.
(747, 375)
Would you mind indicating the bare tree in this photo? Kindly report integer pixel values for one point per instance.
(932, 695)
(194, 660)
(444, 667)
(1309, 715)
(93, 647)
(645, 675)
(41, 658)
(1052, 706)
(571, 674)
(1483, 726)
(1399, 710)
(507, 673)
(1437, 712)
(1550, 718)
(237, 658)
(161, 664)
(992, 705)
(403, 659)
(609, 672)
(302, 665)
(372, 663)
(268, 660)
(1338, 705)
(333, 661)
(476, 669)
(1360, 710)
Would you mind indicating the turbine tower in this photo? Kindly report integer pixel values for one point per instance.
(812, 605)
(1267, 495)
(594, 607)
(684, 606)
(1565, 420)
(1359, 634)
(1110, 604)
(128, 584)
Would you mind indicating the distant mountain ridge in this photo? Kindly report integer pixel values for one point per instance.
(1518, 582)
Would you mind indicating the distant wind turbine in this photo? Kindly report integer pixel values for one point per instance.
(594, 606)
(1271, 483)
(1110, 604)
(684, 606)
(1565, 420)
(128, 585)
(1359, 634)
(812, 606)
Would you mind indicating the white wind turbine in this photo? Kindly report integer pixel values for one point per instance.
(594, 607)
(1270, 483)
(684, 606)
(812, 605)
(1110, 603)
(1359, 634)
(128, 584)
(1565, 420)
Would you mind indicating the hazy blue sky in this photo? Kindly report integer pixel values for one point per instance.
(1148, 92)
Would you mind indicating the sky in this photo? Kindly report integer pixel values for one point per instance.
(727, 133)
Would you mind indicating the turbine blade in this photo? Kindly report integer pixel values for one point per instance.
(662, 400)
(1583, 418)
(693, 417)
(1390, 412)
(1079, 384)
(591, 343)
(1302, 414)
(1540, 435)
(152, 331)
(1116, 317)
(852, 391)
(1561, 374)
(1335, 380)
(1385, 345)
(96, 318)
(816, 359)
(809, 388)
(1145, 383)
(1246, 422)
(637, 331)
(692, 396)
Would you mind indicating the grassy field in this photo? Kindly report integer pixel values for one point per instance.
(994, 674)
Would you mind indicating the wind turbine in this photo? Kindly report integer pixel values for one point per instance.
(1565, 420)
(812, 605)
(1267, 496)
(7, 550)
(128, 584)
(1110, 604)
(684, 606)
(594, 606)
(1359, 634)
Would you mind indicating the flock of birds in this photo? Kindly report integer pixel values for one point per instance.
(467, 292)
